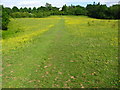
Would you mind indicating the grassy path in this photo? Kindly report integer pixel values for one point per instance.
(59, 59)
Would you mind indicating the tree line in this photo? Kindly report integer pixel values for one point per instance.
(95, 10)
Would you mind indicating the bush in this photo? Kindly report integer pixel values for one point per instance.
(5, 20)
(0, 17)
(21, 14)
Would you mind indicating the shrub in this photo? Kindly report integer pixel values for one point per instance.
(5, 20)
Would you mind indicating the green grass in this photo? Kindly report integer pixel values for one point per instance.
(76, 52)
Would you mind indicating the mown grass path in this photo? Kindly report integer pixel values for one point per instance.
(60, 59)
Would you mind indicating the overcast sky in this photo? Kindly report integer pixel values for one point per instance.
(57, 3)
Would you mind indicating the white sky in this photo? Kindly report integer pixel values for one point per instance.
(57, 3)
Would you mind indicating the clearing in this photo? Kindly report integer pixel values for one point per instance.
(60, 52)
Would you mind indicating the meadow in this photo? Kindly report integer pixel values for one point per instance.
(60, 52)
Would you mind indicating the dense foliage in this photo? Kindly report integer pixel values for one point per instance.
(0, 17)
(103, 12)
(92, 10)
(5, 19)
